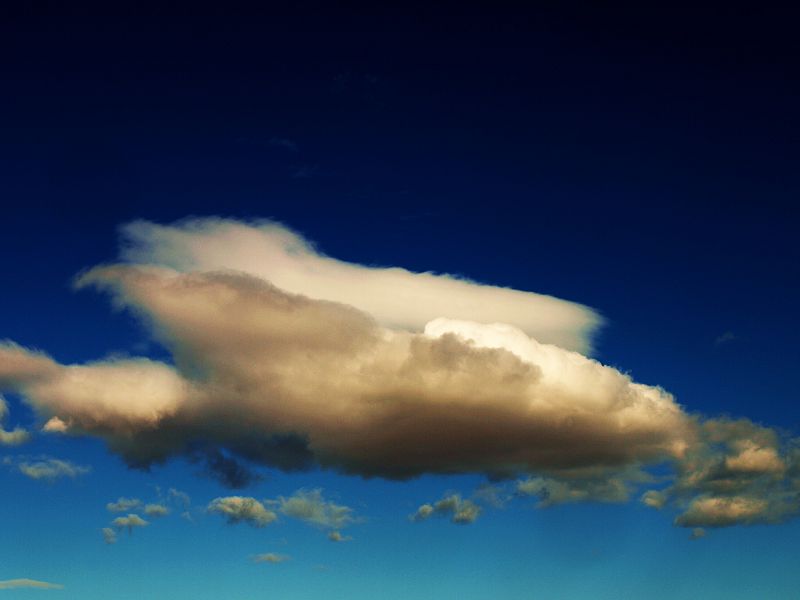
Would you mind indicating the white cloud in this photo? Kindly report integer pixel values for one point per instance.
(238, 509)
(12, 584)
(397, 298)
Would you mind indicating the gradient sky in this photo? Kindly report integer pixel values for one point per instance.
(640, 164)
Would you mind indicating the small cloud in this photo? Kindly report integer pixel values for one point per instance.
(238, 509)
(726, 337)
(284, 143)
(311, 507)
(124, 505)
(180, 498)
(305, 171)
(16, 436)
(336, 536)
(697, 533)
(130, 522)
(11, 584)
(156, 510)
(55, 425)
(50, 469)
(270, 557)
(460, 511)
(109, 535)
(654, 499)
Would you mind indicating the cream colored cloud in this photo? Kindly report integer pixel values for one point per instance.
(460, 511)
(311, 507)
(397, 298)
(379, 372)
(156, 510)
(50, 469)
(129, 522)
(12, 584)
(238, 509)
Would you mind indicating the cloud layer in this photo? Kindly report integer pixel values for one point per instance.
(11, 584)
(286, 358)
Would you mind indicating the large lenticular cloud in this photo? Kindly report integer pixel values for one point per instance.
(288, 359)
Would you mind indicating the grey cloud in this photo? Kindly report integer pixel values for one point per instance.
(109, 535)
(336, 536)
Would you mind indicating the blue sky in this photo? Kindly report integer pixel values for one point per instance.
(640, 167)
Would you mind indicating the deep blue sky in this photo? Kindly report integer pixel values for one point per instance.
(641, 163)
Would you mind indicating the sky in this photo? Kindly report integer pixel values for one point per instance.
(399, 303)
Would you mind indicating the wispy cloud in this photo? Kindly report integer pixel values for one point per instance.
(124, 505)
(50, 469)
(11, 584)
(16, 436)
(109, 535)
(725, 338)
(270, 557)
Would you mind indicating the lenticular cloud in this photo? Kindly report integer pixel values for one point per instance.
(289, 359)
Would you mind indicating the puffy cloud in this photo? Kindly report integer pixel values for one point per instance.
(109, 535)
(291, 382)
(11, 584)
(311, 507)
(129, 522)
(124, 505)
(238, 509)
(286, 358)
(50, 469)
(156, 510)
(270, 557)
(16, 436)
(460, 511)
(735, 473)
(654, 499)
(397, 298)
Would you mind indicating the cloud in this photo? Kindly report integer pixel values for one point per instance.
(283, 357)
(460, 511)
(11, 584)
(130, 522)
(109, 535)
(697, 533)
(336, 536)
(726, 337)
(271, 558)
(124, 505)
(397, 298)
(238, 509)
(311, 507)
(179, 498)
(50, 469)
(156, 510)
(16, 436)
